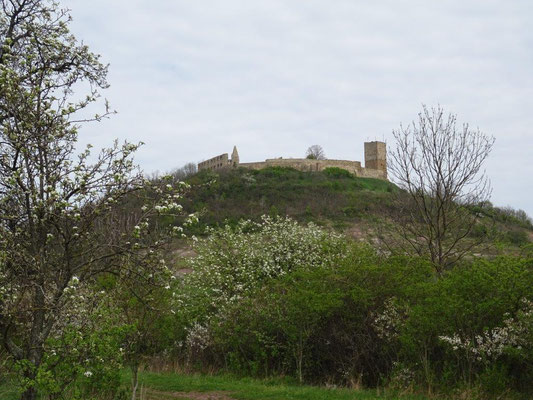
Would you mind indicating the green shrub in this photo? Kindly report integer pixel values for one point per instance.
(279, 172)
(467, 323)
(335, 172)
(317, 324)
(276, 298)
(517, 237)
(494, 380)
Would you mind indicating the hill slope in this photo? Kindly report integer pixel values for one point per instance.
(333, 198)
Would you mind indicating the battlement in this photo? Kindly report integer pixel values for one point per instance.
(375, 162)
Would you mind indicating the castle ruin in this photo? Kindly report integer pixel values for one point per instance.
(375, 162)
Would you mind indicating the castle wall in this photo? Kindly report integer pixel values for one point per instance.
(373, 173)
(217, 162)
(304, 164)
(375, 163)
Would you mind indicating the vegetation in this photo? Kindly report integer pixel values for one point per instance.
(361, 319)
(332, 197)
(65, 240)
(254, 389)
(163, 386)
(315, 152)
(275, 298)
(439, 167)
(264, 287)
(362, 207)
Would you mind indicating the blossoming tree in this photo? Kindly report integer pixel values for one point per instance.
(62, 222)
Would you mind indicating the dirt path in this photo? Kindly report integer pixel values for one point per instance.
(158, 395)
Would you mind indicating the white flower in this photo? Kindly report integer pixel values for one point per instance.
(88, 374)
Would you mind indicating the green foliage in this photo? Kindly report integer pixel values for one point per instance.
(518, 237)
(317, 324)
(505, 224)
(254, 389)
(83, 363)
(463, 323)
(279, 172)
(233, 261)
(359, 318)
(335, 172)
(230, 195)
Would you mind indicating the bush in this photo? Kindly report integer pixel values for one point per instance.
(233, 262)
(320, 321)
(459, 320)
(518, 237)
(279, 172)
(335, 172)
(276, 298)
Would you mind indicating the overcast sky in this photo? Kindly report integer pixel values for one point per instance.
(193, 78)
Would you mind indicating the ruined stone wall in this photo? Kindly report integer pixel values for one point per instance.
(373, 173)
(304, 164)
(214, 163)
(375, 162)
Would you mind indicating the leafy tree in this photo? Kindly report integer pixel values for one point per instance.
(335, 322)
(61, 222)
(145, 310)
(439, 165)
(233, 261)
(478, 313)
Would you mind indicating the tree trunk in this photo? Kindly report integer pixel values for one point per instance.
(29, 376)
(29, 394)
(134, 380)
(299, 355)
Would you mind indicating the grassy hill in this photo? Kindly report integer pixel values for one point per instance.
(334, 198)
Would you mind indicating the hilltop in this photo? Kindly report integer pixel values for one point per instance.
(332, 198)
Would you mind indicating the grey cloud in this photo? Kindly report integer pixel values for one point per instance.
(192, 79)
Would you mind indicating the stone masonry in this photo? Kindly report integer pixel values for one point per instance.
(221, 161)
(375, 162)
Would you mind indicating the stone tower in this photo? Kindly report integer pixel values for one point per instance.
(235, 157)
(376, 156)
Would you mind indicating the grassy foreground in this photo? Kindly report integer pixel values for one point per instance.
(8, 392)
(252, 389)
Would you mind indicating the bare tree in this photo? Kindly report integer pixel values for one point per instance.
(315, 152)
(439, 166)
(184, 172)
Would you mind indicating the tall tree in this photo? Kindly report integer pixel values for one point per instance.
(60, 221)
(439, 166)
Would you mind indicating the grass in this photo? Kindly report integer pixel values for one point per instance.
(233, 387)
(253, 389)
(8, 391)
(327, 197)
(331, 198)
